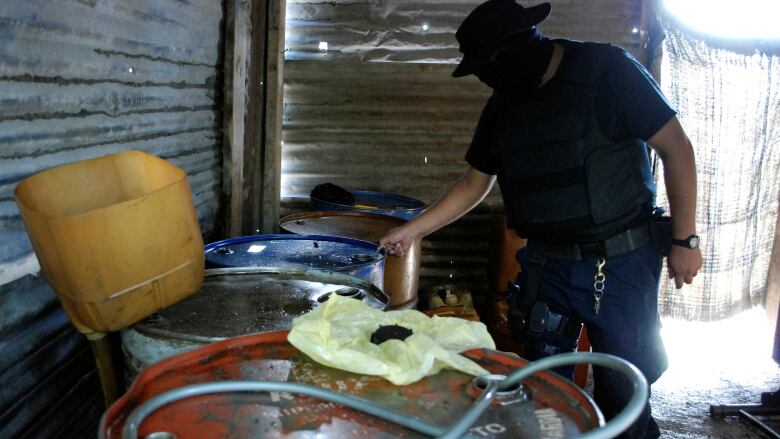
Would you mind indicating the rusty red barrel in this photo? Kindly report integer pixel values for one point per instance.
(547, 405)
(401, 274)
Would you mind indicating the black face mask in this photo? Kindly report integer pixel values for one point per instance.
(516, 68)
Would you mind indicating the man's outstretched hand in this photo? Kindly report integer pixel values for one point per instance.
(397, 241)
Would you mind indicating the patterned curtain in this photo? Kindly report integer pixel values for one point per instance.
(729, 103)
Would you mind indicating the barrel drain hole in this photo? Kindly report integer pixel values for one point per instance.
(515, 392)
(352, 293)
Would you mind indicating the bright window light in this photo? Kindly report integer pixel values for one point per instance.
(702, 353)
(324, 46)
(746, 19)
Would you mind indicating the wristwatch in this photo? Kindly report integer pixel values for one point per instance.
(690, 242)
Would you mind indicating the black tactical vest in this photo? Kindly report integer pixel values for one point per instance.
(561, 178)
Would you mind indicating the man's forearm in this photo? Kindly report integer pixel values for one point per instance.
(460, 198)
(680, 178)
(676, 152)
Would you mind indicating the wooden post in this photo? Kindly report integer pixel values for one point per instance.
(103, 352)
(237, 59)
(254, 45)
(274, 90)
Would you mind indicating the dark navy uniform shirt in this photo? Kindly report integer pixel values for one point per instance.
(629, 105)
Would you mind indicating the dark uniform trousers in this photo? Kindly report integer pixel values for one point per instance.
(627, 324)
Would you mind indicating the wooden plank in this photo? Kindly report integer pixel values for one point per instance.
(255, 38)
(255, 129)
(237, 58)
(272, 142)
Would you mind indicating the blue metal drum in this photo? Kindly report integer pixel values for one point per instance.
(375, 202)
(344, 255)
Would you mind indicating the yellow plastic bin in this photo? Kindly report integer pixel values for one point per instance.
(117, 237)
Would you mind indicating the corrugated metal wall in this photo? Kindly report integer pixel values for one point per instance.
(81, 79)
(378, 110)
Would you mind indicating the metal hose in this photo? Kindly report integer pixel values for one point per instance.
(611, 429)
(138, 415)
(615, 426)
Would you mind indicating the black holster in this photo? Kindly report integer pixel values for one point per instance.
(521, 294)
(516, 318)
(661, 231)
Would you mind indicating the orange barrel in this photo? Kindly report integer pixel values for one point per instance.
(237, 301)
(502, 269)
(401, 275)
(545, 406)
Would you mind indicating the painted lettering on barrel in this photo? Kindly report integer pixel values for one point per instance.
(550, 424)
(488, 429)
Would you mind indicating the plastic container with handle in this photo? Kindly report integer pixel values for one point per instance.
(117, 237)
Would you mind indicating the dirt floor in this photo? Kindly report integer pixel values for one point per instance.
(726, 362)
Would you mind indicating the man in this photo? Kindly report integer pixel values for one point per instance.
(565, 134)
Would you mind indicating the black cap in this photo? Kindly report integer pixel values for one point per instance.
(486, 26)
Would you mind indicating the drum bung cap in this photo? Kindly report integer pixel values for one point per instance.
(390, 332)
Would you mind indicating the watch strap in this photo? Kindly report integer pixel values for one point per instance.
(687, 242)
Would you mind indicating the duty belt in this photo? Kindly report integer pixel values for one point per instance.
(623, 242)
(539, 251)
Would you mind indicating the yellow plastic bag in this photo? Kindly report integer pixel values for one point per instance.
(338, 334)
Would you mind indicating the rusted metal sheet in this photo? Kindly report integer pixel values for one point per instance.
(46, 369)
(81, 79)
(396, 128)
(91, 41)
(33, 101)
(415, 31)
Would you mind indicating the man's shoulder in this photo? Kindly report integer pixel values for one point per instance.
(591, 50)
(585, 62)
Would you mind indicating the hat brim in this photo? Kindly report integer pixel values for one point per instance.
(472, 63)
(469, 64)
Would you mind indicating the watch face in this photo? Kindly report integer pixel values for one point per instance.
(693, 242)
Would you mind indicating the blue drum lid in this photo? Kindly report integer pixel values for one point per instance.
(293, 251)
(376, 202)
